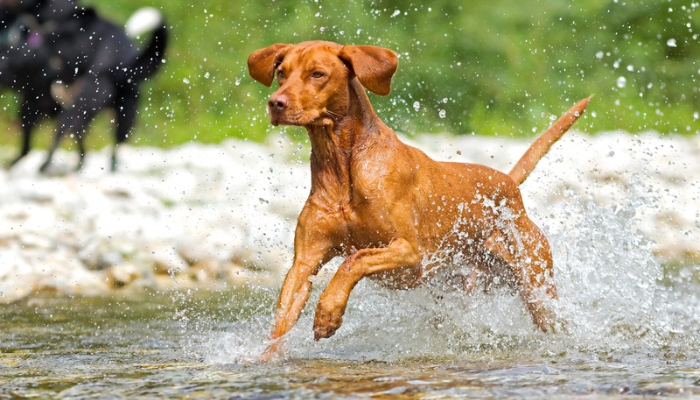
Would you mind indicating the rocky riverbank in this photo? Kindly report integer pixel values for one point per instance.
(217, 215)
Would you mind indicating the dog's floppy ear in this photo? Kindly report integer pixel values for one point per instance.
(373, 66)
(262, 63)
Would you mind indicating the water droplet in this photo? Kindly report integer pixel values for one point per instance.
(416, 106)
(444, 100)
(621, 82)
(442, 113)
(577, 114)
(599, 55)
(671, 43)
(186, 81)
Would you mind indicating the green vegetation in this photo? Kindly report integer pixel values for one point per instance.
(496, 68)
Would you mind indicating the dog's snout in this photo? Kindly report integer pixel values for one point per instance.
(278, 102)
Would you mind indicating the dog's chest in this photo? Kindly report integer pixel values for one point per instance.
(372, 216)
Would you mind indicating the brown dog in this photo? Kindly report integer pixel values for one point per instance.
(384, 205)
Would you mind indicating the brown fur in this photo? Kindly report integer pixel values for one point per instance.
(386, 206)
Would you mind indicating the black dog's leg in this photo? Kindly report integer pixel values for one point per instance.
(30, 116)
(113, 165)
(96, 94)
(81, 151)
(126, 108)
(26, 143)
(62, 128)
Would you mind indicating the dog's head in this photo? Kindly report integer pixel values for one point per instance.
(24, 62)
(314, 78)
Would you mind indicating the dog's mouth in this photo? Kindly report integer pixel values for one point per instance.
(279, 119)
(290, 117)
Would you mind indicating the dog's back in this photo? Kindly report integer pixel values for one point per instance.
(442, 194)
(89, 44)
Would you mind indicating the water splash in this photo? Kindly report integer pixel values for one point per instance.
(613, 294)
(621, 82)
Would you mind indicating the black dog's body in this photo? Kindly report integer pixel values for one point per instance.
(97, 62)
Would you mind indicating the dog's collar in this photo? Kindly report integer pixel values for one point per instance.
(35, 40)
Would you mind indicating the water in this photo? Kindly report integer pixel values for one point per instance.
(631, 328)
(88, 348)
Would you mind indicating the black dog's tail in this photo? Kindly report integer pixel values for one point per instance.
(151, 57)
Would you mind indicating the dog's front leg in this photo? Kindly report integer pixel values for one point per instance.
(30, 116)
(293, 296)
(331, 306)
(313, 247)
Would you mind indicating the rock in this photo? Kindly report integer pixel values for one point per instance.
(166, 260)
(98, 254)
(208, 271)
(123, 274)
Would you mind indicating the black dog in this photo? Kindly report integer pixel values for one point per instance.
(94, 58)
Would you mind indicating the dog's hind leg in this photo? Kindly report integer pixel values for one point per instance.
(126, 108)
(69, 121)
(527, 253)
(81, 150)
(469, 281)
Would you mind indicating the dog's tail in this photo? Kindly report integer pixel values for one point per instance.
(532, 156)
(151, 57)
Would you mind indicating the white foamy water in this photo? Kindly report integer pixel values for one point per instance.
(614, 295)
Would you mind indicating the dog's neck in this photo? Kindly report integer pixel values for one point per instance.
(333, 143)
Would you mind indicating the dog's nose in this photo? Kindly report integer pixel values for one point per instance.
(278, 102)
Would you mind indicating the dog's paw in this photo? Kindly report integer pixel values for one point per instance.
(326, 322)
(270, 354)
(324, 332)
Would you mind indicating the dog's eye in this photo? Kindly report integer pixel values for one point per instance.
(317, 75)
(280, 74)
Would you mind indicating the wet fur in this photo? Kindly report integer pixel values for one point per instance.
(384, 205)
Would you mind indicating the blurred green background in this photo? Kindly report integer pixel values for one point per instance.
(499, 67)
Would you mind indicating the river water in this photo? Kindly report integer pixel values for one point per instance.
(202, 344)
(630, 327)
